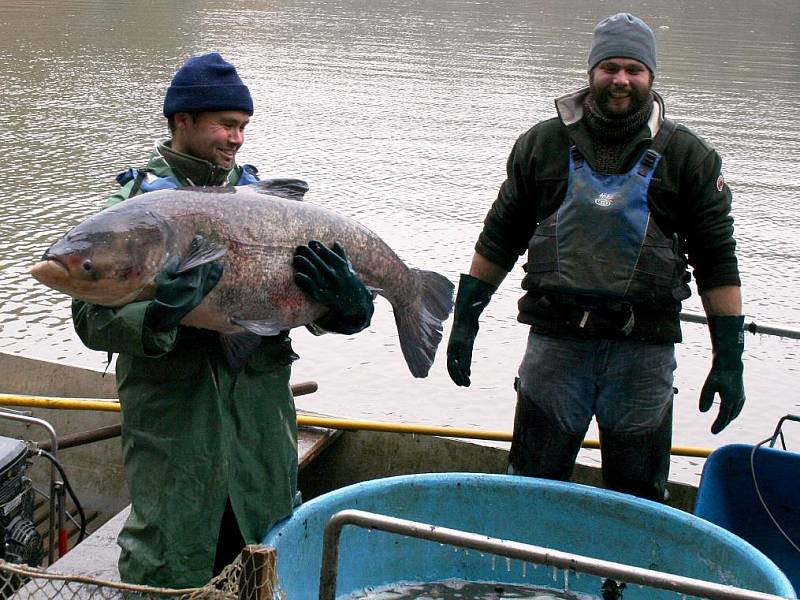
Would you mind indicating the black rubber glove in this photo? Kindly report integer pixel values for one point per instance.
(725, 378)
(327, 276)
(473, 296)
(178, 293)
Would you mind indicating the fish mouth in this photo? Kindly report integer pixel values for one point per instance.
(49, 270)
(54, 274)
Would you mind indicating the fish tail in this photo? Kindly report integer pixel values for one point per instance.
(419, 320)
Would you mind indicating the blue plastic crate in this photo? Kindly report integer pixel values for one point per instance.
(728, 497)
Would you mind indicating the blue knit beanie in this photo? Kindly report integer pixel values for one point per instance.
(207, 83)
(625, 36)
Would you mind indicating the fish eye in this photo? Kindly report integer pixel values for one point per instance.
(87, 265)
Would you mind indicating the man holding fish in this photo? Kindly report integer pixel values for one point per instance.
(196, 288)
(611, 200)
(209, 445)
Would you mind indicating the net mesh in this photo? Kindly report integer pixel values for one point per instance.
(252, 576)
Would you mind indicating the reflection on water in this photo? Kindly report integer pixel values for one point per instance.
(400, 114)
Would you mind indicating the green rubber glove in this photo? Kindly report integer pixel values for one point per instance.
(177, 294)
(327, 277)
(725, 378)
(473, 296)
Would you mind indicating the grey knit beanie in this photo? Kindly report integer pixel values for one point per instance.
(625, 36)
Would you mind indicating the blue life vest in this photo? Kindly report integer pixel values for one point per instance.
(601, 250)
(248, 176)
(147, 181)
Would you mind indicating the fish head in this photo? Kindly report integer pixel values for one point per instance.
(110, 259)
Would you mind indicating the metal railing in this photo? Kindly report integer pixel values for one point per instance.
(749, 325)
(515, 550)
(112, 405)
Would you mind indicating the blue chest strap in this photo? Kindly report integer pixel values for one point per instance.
(147, 181)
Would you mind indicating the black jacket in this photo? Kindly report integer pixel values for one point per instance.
(687, 196)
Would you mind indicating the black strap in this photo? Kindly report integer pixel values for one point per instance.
(577, 157)
(660, 142)
(137, 183)
(648, 160)
(663, 136)
(588, 313)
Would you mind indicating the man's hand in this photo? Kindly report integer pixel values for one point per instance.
(725, 378)
(177, 294)
(473, 296)
(327, 276)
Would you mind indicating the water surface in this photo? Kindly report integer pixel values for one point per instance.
(401, 115)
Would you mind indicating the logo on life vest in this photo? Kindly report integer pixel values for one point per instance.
(604, 199)
(720, 182)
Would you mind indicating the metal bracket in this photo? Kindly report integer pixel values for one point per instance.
(778, 430)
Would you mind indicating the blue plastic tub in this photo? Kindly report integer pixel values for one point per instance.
(727, 497)
(567, 517)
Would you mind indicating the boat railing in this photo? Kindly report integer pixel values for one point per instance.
(749, 325)
(515, 550)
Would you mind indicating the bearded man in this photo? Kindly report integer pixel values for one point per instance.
(612, 202)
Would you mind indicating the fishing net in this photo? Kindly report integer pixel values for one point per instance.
(252, 576)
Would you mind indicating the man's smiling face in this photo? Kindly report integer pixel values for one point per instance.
(620, 86)
(212, 136)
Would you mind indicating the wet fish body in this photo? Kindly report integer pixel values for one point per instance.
(112, 259)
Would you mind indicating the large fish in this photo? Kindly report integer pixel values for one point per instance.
(112, 258)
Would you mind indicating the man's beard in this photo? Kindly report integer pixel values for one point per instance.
(602, 97)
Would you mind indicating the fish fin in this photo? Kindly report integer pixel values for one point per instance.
(207, 189)
(316, 329)
(264, 327)
(238, 347)
(201, 251)
(283, 187)
(419, 320)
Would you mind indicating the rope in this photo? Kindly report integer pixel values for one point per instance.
(34, 573)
